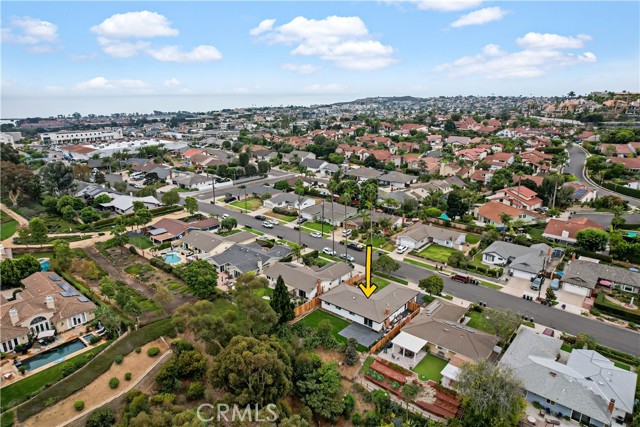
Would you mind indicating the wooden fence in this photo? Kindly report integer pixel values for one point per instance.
(355, 280)
(306, 307)
(396, 329)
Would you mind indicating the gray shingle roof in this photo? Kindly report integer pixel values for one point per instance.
(586, 274)
(350, 298)
(202, 240)
(245, 257)
(528, 259)
(304, 278)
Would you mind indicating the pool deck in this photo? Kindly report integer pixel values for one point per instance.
(62, 338)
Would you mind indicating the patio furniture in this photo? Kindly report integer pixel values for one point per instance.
(552, 422)
(8, 375)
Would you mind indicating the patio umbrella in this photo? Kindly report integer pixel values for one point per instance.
(605, 283)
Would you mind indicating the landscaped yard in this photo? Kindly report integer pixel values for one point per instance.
(264, 292)
(376, 242)
(430, 367)
(316, 226)
(380, 282)
(437, 253)
(472, 239)
(140, 241)
(337, 324)
(8, 229)
(285, 218)
(250, 204)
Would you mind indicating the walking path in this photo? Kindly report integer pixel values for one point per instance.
(22, 221)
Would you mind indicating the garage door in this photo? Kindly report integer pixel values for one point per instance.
(522, 274)
(579, 290)
(403, 241)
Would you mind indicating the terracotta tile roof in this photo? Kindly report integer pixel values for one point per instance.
(556, 227)
(628, 162)
(492, 211)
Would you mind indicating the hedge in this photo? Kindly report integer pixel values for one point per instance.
(631, 192)
(96, 367)
(285, 211)
(601, 257)
(614, 310)
(107, 222)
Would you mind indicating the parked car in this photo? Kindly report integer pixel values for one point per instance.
(229, 199)
(536, 284)
(356, 246)
(555, 284)
(402, 249)
(223, 216)
(274, 221)
(316, 234)
(346, 233)
(347, 257)
(296, 226)
(301, 220)
(267, 224)
(461, 278)
(328, 251)
(260, 217)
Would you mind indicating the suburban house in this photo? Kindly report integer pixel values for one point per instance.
(239, 259)
(438, 329)
(631, 164)
(363, 174)
(297, 156)
(523, 262)
(375, 216)
(305, 282)
(288, 201)
(582, 193)
(499, 160)
(518, 197)
(166, 229)
(583, 385)
(582, 277)
(565, 231)
(489, 213)
(319, 166)
(47, 305)
(397, 179)
(193, 181)
(122, 204)
(333, 213)
(420, 235)
(377, 313)
(204, 243)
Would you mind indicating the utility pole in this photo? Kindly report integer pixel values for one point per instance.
(213, 188)
(555, 190)
(333, 238)
(322, 220)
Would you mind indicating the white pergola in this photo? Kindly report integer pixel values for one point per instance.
(408, 342)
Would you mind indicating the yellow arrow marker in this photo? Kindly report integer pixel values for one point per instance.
(368, 288)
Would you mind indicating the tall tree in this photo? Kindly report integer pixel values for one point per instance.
(62, 253)
(202, 278)
(456, 204)
(281, 302)
(322, 391)
(433, 284)
(229, 223)
(252, 371)
(9, 274)
(191, 204)
(16, 181)
(385, 264)
(38, 231)
(170, 198)
(592, 239)
(120, 234)
(56, 177)
(491, 395)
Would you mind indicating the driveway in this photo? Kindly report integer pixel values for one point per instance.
(518, 287)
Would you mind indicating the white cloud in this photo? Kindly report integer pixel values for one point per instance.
(325, 88)
(300, 68)
(101, 83)
(40, 36)
(494, 63)
(552, 41)
(142, 24)
(480, 17)
(172, 82)
(263, 26)
(174, 54)
(447, 5)
(343, 40)
(122, 48)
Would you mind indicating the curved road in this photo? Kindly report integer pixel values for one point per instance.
(608, 335)
(578, 157)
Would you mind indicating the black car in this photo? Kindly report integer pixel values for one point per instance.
(301, 220)
(260, 217)
(229, 199)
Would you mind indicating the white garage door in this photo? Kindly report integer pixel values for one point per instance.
(522, 274)
(404, 241)
(575, 289)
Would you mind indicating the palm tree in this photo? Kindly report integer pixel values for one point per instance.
(299, 190)
(296, 251)
(506, 221)
(385, 223)
(244, 187)
(369, 207)
(345, 200)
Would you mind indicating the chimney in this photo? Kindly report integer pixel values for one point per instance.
(611, 406)
(13, 315)
(49, 302)
(387, 311)
(318, 288)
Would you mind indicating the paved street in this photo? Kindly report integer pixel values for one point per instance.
(621, 339)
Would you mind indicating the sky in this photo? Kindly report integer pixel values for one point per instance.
(108, 57)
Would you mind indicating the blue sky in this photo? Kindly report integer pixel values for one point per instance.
(106, 57)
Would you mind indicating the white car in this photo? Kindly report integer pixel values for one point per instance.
(328, 251)
(267, 224)
(402, 249)
(225, 216)
(316, 234)
(347, 257)
(274, 221)
(346, 233)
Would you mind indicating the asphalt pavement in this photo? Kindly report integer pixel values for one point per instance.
(608, 335)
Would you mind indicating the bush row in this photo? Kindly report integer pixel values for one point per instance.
(609, 308)
(108, 222)
(285, 211)
(631, 192)
(601, 257)
(167, 268)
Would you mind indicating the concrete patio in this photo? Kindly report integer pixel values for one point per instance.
(361, 333)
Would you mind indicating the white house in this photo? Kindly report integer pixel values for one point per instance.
(420, 235)
(122, 204)
(397, 179)
(377, 312)
(307, 283)
(524, 262)
(288, 201)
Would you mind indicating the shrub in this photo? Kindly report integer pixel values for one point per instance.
(153, 352)
(78, 405)
(114, 382)
(119, 358)
(127, 376)
(138, 350)
(355, 419)
(196, 391)
(94, 340)
(133, 250)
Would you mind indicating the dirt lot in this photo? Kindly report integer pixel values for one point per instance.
(98, 391)
(119, 260)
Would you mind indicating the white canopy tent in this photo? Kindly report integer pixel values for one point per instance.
(46, 334)
(408, 342)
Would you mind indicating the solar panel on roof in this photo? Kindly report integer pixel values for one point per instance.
(82, 298)
(54, 278)
(157, 231)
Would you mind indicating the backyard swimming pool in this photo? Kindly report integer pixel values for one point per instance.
(55, 354)
(172, 257)
(88, 337)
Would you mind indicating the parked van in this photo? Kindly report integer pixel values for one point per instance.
(555, 284)
(535, 285)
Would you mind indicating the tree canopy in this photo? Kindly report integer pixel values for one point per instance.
(202, 278)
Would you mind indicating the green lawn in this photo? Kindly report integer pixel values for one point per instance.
(136, 269)
(251, 204)
(8, 419)
(367, 363)
(566, 347)
(490, 285)
(20, 391)
(262, 292)
(141, 241)
(7, 229)
(376, 242)
(430, 367)
(393, 278)
(380, 282)
(480, 321)
(472, 239)
(437, 253)
(285, 218)
(229, 233)
(251, 230)
(316, 226)
(419, 264)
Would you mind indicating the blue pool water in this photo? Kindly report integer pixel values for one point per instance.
(52, 355)
(88, 337)
(172, 258)
(45, 265)
(632, 234)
